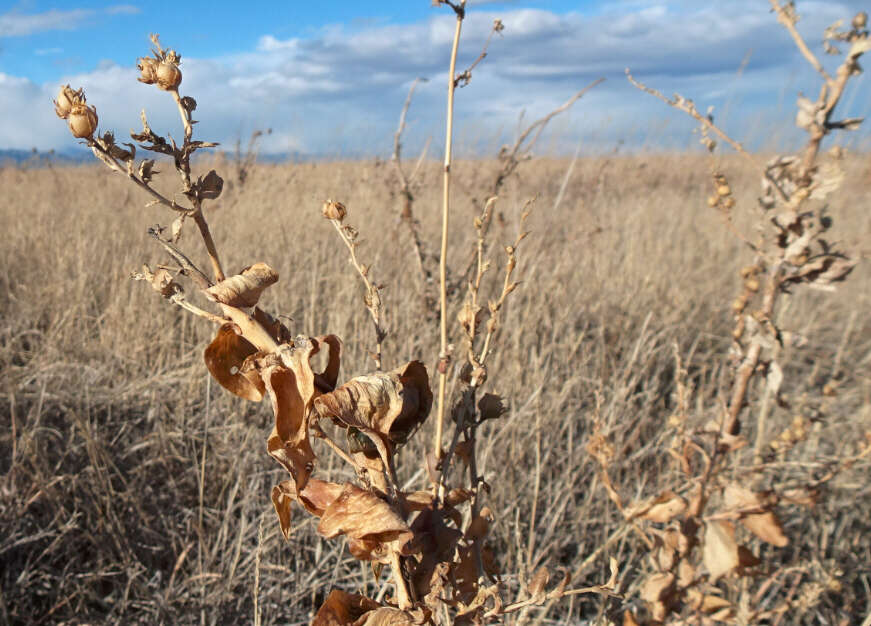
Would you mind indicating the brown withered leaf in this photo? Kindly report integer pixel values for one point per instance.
(225, 357)
(243, 289)
(386, 406)
(629, 618)
(388, 616)
(327, 380)
(315, 498)
(363, 516)
(764, 524)
(491, 406)
(720, 552)
(343, 609)
(291, 389)
(664, 508)
(657, 587)
(274, 327)
(536, 586)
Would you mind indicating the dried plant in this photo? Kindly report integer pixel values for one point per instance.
(690, 531)
(434, 542)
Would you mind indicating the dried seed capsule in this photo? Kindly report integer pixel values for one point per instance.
(860, 21)
(752, 284)
(724, 190)
(712, 201)
(334, 210)
(82, 120)
(66, 97)
(148, 68)
(168, 75)
(738, 305)
(728, 202)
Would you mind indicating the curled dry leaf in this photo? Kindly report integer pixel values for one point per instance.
(342, 609)
(664, 508)
(762, 523)
(225, 359)
(720, 553)
(386, 406)
(244, 289)
(363, 516)
(538, 583)
(315, 498)
(291, 393)
(388, 616)
(491, 406)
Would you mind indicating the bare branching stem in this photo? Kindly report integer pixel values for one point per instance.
(788, 19)
(373, 298)
(206, 234)
(443, 258)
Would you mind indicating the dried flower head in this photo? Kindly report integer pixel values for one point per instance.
(860, 20)
(66, 97)
(168, 75)
(333, 210)
(148, 67)
(82, 119)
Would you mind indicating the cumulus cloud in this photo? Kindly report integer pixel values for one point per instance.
(342, 89)
(14, 24)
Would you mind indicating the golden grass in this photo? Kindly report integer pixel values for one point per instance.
(110, 431)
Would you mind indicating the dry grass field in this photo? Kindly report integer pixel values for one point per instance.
(133, 490)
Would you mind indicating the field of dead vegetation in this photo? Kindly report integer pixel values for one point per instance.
(134, 490)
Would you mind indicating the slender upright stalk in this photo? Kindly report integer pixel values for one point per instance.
(443, 260)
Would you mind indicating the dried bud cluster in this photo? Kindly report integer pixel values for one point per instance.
(162, 69)
(72, 106)
(333, 210)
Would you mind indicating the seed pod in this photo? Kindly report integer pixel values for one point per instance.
(66, 97)
(712, 201)
(148, 67)
(728, 202)
(860, 21)
(724, 190)
(752, 284)
(738, 305)
(168, 75)
(334, 210)
(82, 120)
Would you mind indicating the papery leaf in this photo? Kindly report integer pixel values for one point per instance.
(244, 289)
(764, 524)
(720, 553)
(491, 406)
(664, 508)
(657, 587)
(273, 326)
(315, 498)
(291, 393)
(539, 581)
(225, 358)
(388, 616)
(210, 187)
(363, 516)
(343, 609)
(386, 406)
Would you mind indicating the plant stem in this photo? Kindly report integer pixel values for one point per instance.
(443, 259)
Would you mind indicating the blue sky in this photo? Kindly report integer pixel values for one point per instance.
(330, 77)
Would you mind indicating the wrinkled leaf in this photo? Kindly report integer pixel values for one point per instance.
(211, 186)
(388, 616)
(225, 358)
(343, 609)
(363, 516)
(720, 553)
(664, 508)
(244, 289)
(386, 406)
(763, 524)
(315, 498)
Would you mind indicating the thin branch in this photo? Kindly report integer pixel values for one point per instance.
(443, 258)
(787, 17)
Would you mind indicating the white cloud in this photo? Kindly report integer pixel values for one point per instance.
(14, 24)
(342, 89)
